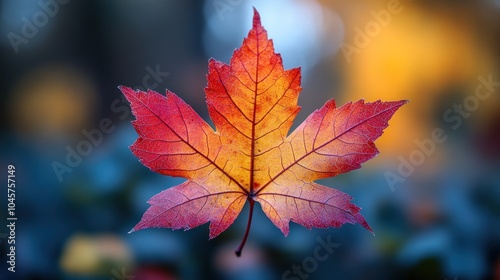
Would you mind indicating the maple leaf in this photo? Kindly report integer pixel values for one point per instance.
(249, 157)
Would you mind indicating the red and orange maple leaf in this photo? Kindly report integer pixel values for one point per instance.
(249, 157)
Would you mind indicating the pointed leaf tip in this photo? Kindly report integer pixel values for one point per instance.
(256, 18)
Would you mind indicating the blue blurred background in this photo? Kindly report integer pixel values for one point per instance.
(66, 128)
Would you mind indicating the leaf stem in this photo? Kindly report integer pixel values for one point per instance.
(247, 231)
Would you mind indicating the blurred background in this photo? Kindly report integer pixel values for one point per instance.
(434, 207)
